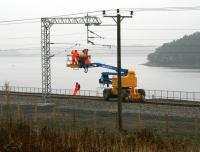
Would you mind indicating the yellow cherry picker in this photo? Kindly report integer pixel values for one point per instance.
(130, 92)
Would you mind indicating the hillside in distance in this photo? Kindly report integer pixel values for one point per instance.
(181, 53)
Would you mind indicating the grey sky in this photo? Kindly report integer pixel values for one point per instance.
(17, 36)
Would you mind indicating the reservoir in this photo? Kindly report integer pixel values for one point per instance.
(26, 71)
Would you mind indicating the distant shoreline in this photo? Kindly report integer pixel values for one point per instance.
(171, 66)
(183, 53)
(21, 55)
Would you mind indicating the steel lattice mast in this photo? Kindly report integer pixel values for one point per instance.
(46, 24)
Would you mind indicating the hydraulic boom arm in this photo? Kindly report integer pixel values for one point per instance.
(105, 79)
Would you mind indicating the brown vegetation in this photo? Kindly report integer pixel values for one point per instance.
(20, 137)
(32, 134)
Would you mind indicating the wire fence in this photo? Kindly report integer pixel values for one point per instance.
(150, 94)
(74, 114)
(175, 95)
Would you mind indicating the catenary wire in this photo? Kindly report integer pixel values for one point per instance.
(22, 21)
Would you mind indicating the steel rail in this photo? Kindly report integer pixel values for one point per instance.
(167, 102)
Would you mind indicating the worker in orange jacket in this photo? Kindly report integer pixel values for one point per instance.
(87, 60)
(85, 51)
(77, 88)
(73, 56)
(76, 55)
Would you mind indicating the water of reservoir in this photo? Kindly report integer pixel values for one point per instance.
(26, 71)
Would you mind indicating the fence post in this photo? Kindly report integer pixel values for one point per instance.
(1, 109)
(180, 95)
(74, 119)
(138, 121)
(18, 111)
(195, 127)
(36, 113)
(116, 120)
(7, 100)
(154, 94)
(167, 94)
(149, 95)
(7, 93)
(94, 120)
(193, 96)
(167, 124)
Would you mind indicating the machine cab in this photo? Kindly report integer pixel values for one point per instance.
(78, 59)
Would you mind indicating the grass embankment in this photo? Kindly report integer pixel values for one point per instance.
(20, 137)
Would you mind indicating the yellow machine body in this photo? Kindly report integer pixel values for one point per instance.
(130, 80)
(129, 88)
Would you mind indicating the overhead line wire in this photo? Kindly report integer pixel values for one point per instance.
(122, 9)
(31, 19)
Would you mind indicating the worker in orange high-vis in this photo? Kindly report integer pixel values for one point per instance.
(76, 54)
(73, 56)
(85, 51)
(86, 57)
(76, 89)
(87, 60)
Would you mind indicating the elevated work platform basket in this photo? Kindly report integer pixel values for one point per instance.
(82, 60)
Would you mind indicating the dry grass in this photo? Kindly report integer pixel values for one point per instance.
(20, 137)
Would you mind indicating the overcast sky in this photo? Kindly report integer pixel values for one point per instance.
(28, 35)
(12, 9)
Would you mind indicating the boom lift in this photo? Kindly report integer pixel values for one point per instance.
(129, 79)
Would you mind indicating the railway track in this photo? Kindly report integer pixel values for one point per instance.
(169, 102)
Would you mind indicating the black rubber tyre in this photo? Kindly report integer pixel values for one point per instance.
(142, 92)
(107, 93)
(125, 94)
